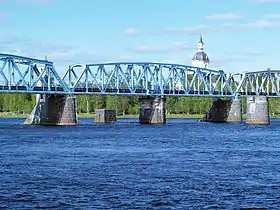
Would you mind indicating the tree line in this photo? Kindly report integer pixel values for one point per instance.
(125, 105)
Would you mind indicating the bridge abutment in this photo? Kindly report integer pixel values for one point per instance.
(257, 110)
(152, 110)
(53, 110)
(224, 111)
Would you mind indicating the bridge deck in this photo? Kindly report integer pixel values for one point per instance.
(96, 91)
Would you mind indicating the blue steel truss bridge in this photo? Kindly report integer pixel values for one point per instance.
(27, 75)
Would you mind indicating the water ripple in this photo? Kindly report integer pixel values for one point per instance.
(181, 165)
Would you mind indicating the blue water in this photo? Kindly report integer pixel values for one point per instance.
(184, 164)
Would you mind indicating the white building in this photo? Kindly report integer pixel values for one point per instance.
(200, 58)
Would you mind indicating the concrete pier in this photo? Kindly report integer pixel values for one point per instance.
(224, 111)
(53, 110)
(235, 111)
(152, 110)
(257, 110)
(105, 116)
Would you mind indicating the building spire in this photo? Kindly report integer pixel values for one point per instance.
(200, 45)
(201, 40)
(200, 59)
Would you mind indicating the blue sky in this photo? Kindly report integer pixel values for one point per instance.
(239, 35)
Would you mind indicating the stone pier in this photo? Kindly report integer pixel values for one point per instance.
(152, 110)
(53, 110)
(224, 111)
(257, 110)
(105, 116)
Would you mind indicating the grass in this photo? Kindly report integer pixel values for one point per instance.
(12, 115)
(85, 115)
(91, 115)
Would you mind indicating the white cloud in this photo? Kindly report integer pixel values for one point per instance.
(191, 29)
(61, 55)
(34, 1)
(175, 46)
(273, 16)
(266, 1)
(3, 18)
(126, 57)
(225, 16)
(131, 31)
(261, 24)
(243, 54)
(29, 1)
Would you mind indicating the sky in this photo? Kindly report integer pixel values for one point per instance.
(239, 35)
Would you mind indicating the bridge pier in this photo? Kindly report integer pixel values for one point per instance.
(224, 111)
(105, 116)
(257, 110)
(53, 110)
(152, 110)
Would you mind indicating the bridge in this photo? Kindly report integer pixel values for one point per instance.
(27, 75)
(20, 74)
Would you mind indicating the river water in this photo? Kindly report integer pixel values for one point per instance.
(184, 164)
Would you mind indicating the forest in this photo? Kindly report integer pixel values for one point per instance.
(125, 105)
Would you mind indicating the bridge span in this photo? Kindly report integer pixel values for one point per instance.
(27, 75)
(20, 74)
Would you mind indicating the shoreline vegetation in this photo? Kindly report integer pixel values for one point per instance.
(91, 116)
(21, 105)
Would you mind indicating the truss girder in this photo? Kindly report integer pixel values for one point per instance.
(258, 83)
(139, 78)
(27, 75)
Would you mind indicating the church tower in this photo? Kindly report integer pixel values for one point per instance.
(200, 59)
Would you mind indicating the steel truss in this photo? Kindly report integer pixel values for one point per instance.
(27, 75)
(146, 79)
(256, 83)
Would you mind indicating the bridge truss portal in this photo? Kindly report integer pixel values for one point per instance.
(26, 75)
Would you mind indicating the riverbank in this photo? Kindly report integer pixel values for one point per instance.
(91, 115)
(137, 116)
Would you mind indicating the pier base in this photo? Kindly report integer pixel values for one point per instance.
(53, 110)
(152, 110)
(224, 111)
(257, 110)
(105, 116)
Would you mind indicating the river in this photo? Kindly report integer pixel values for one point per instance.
(184, 164)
